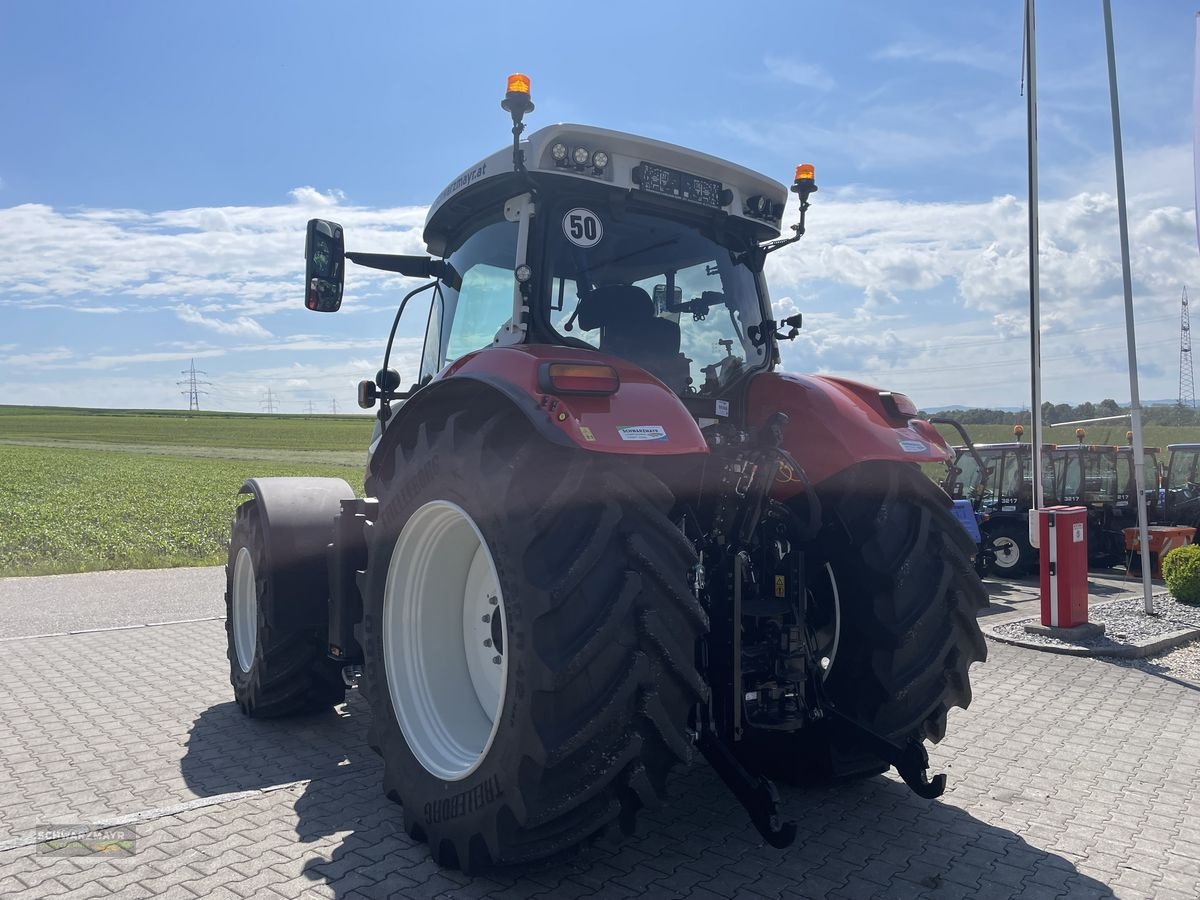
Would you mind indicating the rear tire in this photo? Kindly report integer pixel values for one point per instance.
(908, 594)
(1012, 554)
(597, 641)
(275, 669)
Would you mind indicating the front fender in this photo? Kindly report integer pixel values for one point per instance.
(835, 423)
(644, 417)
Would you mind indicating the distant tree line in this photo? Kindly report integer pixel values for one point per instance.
(1065, 412)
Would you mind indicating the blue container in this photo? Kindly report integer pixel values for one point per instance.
(966, 515)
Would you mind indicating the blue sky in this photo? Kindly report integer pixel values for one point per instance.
(160, 161)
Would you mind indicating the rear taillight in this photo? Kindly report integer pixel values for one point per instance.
(578, 378)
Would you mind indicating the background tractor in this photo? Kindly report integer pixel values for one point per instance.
(1179, 497)
(998, 479)
(601, 528)
(1101, 478)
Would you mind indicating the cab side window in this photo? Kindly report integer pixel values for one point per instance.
(483, 300)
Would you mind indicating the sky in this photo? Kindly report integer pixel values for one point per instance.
(158, 163)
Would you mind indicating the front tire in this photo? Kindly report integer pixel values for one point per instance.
(1012, 554)
(276, 668)
(593, 623)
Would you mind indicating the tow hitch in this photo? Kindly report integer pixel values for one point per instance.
(758, 795)
(910, 761)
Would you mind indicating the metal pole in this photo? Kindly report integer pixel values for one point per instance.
(1035, 337)
(1135, 402)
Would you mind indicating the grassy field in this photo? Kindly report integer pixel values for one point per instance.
(213, 430)
(1155, 435)
(88, 490)
(83, 490)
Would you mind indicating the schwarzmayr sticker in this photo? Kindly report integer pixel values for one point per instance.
(642, 432)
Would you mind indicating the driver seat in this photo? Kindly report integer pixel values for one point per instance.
(624, 313)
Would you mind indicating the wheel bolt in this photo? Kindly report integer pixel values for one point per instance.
(496, 660)
(487, 642)
(487, 617)
(493, 600)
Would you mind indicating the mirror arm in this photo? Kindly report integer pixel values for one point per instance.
(412, 266)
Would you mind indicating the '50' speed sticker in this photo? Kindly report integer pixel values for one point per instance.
(582, 227)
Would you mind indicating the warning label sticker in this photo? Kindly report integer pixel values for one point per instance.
(1077, 533)
(913, 446)
(642, 432)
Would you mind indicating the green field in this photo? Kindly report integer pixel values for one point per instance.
(88, 490)
(83, 490)
(214, 430)
(1155, 435)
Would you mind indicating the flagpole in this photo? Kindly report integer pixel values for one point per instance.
(1135, 402)
(1196, 127)
(1035, 337)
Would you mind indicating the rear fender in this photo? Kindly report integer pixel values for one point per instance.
(297, 520)
(643, 418)
(834, 423)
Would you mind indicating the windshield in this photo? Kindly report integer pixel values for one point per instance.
(1088, 476)
(660, 293)
(1183, 469)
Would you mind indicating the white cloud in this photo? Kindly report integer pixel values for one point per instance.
(930, 295)
(89, 258)
(242, 326)
(310, 196)
(972, 55)
(799, 73)
(889, 135)
(38, 359)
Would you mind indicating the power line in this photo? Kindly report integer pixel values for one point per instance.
(192, 391)
(269, 403)
(333, 406)
(1187, 378)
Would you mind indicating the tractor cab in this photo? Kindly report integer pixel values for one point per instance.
(1101, 478)
(1000, 477)
(607, 242)
(1181, 486)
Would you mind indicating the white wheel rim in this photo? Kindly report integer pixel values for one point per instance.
(1007, 552)
(829, 651)
(444, 641)
(245, 609)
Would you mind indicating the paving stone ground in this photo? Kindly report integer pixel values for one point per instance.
(1068, 777)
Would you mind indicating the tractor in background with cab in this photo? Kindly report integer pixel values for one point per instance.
(602, 530)
(998, 479)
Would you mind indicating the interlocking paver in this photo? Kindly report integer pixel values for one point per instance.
(1068, 777)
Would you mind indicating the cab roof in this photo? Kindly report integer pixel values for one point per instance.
(626, 152)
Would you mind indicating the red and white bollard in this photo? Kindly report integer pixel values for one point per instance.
(1062, 541)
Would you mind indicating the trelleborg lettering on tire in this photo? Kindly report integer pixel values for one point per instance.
(464, 802)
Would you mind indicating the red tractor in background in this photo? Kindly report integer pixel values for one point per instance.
(602, 529)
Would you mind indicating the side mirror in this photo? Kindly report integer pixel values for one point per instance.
(324, 266)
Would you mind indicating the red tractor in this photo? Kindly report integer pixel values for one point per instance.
(602, 530)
